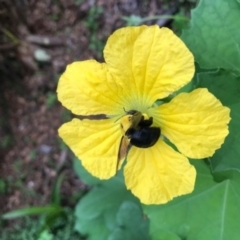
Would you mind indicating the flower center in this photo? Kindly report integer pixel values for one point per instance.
(137, 127)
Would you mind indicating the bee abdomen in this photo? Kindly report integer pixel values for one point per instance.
(145, 137)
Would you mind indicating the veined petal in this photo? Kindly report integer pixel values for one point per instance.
(195, 122)
(158, 174)
(88, 88)
(153, 61)
(95, 143)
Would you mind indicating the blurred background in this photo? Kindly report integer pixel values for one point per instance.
(38, 38)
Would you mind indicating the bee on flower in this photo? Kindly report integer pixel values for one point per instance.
(142, 66)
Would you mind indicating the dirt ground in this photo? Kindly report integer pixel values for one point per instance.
(37, 40)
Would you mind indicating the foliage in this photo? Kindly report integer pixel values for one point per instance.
(27, 230)
(214, 35)
(3, 186)
(51, 99)
(55, 221)
(109, 211)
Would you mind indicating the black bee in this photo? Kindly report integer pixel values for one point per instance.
(137, 132)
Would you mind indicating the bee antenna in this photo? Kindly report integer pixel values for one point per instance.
(122, 115)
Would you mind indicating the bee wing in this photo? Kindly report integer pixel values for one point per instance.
(123, 151)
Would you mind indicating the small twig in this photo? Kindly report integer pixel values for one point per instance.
(45, 40)
(62, 159)
(167, 17)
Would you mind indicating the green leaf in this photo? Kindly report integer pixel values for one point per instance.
(212, 211)
(45, 235)
(226, 87)
(56, 195)
(32, 211)
(83, 174)
(96, 211)
(131, 223)
(51, 219)
(214, 36)
(166, 235)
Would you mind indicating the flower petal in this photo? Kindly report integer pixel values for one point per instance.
(88, 88)
(95, 143)
(153, 61)
(195, 122)
(158, 174)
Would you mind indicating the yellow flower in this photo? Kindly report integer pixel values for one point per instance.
(143, 64)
